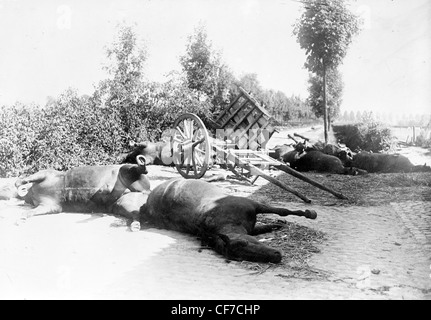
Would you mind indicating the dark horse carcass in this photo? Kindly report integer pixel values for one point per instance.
(385, 163)
(226, 223)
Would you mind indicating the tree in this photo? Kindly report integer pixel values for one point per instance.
(324, 31)
(127, 57)
(352, 116)
(124, 92)
(251, 83)
(275, 102)
(281, 107)
(345, 116)
(205, 71)
(334, 93)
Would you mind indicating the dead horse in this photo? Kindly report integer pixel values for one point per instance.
(224, 222)
(116, 189)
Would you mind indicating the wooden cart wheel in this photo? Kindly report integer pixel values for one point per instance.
(191, 146)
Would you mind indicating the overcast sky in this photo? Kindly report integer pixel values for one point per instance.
(47, 46)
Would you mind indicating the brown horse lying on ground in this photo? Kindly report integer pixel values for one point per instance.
(321, 162)
(385, 163)
(224, 222)
(116, 189)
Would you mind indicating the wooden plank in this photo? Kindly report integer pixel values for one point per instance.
(263, 157)
(253, 159)
(221, 123)
(255, 102)
(228, 108)
(244, 117)
(237, 109)
(213, 124)
(232, 155)
(289, 170)
(256, 171)
(248, 127)
(263, 122)
(234, 113)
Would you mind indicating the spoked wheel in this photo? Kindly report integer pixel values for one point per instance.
(191, 146)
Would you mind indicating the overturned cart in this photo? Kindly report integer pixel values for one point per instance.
(242, 131)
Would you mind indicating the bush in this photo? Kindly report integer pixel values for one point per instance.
(74, 131)
(172, 99)
(424, 139)
(368, 135)
(19, 125)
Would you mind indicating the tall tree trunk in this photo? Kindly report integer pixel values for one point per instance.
(325, 111)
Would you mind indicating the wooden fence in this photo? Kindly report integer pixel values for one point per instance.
(410, 134)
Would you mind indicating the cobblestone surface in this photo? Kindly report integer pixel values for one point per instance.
(381, 251)
(370, 254)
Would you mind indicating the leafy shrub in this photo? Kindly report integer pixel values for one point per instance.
(424, 139)
(171, 99)
(77, 130)
(19, 125)
(368, 135)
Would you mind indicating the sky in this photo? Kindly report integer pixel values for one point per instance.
(47, 46)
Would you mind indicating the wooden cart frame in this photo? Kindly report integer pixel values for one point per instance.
(242, 132)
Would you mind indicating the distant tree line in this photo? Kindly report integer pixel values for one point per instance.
(389, 118)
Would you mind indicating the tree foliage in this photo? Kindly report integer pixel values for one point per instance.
(19, 125)
(251, 83)
(325, 31)
(281, 107)
(127, 56)
(121, 93)
(205, 72)
(367, 134)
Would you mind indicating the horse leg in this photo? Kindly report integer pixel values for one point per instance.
(41, 209)
(261, 208)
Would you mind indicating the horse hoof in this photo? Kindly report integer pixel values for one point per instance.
(22, 191)
(135, 226)
(310, 214)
